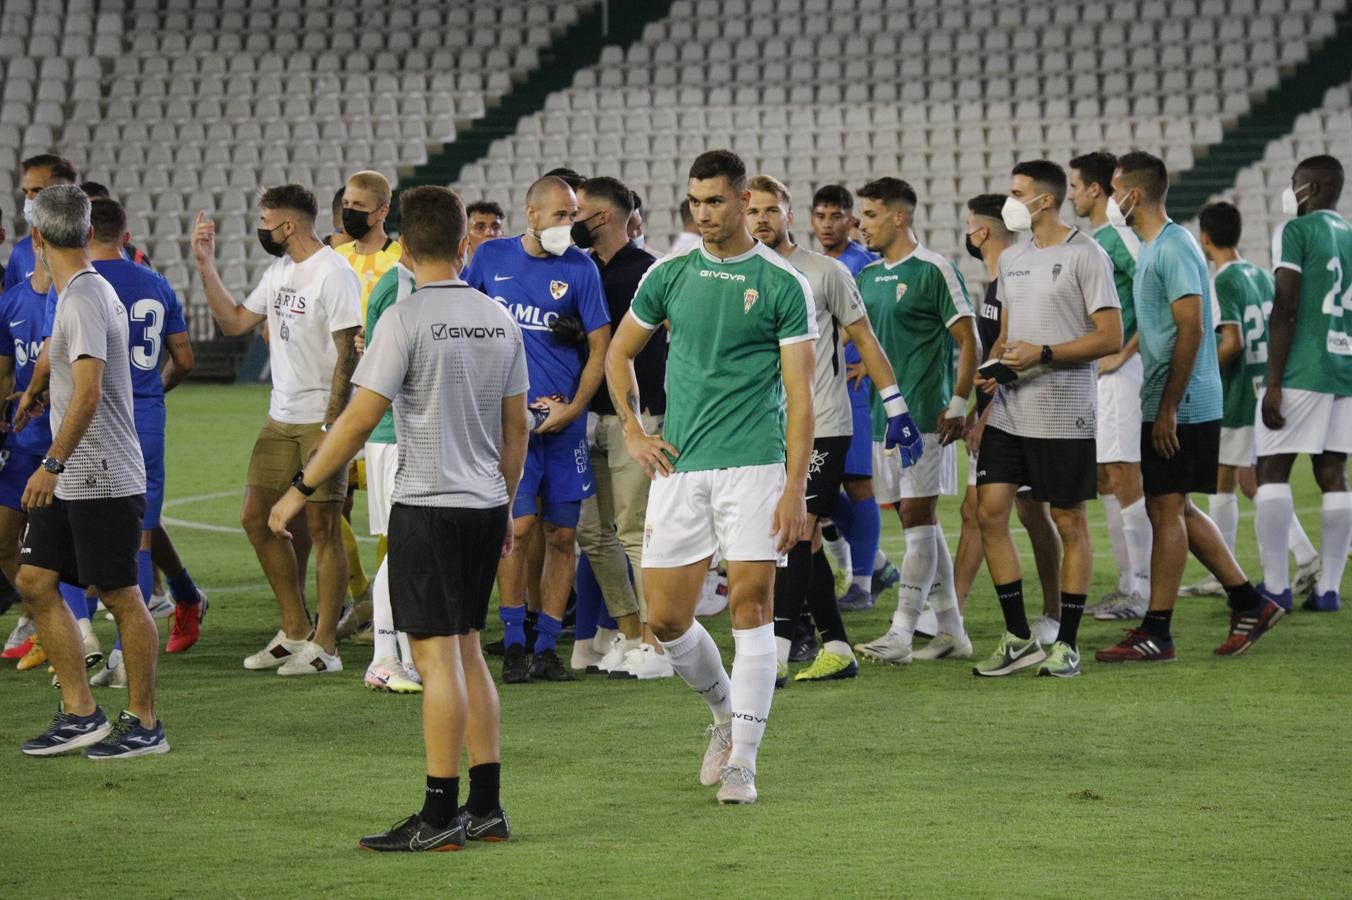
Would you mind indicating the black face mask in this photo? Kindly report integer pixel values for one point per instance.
(583, 236)
(271, 247)
(973, 249)
(355, 223)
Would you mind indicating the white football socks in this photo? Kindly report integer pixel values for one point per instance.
(839, 551)
(382, 616)
(1302, 548)
(1140, 538)
(1224, 511)
(1117, 537)
(917, 576)
(1276, 511)
(1335, 538)
(753, 687)
(944, 597)
(694, 657)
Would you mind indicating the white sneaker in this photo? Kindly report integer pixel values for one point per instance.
(278, 651)
(927, 623)
(617, 653)
(389, 675)
(23, 630)
(738, 785)
(161, 606)
(310, 659)
(1207, 587)
(602, 640)
(1112, 598)
(716, 754)
(584, 657)
(643, 663)
(1045, 629)
(1306, 580)
(113, 675)
(713, 594)
(945, 646)
(890, 648)
(93, 651)
(1132, 607)
(411, 674)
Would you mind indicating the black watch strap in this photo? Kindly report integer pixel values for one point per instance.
(1047, 354)
(299, 484)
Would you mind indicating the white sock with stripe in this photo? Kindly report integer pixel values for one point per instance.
(917, 575)
(753, 687)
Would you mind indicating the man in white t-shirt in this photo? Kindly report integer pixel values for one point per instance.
(310, 299)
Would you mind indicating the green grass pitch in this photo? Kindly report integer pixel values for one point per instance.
(1206, 778)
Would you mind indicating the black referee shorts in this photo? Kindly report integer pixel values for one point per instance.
(443, 561)
(1059, 471)
(1192, 470)
(87, 542)
(825, 472)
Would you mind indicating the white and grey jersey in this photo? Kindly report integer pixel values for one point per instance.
(838, 306)
(1049, 295)
(447, 356)
(91, 322)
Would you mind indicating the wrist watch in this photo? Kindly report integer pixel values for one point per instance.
(299, 484)
(53, 465)
(1046, 354)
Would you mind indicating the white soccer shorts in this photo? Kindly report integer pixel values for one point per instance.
(692, 515)
(935, 475)
(1315, 422)
(382, 461)
(1237, 447)
(1118, 423)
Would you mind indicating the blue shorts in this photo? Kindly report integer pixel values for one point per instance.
(558, 474)
(859, 458)
(152, 451)
(18, 468)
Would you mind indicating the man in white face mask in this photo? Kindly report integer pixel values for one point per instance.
(43, 170)
(553, 291)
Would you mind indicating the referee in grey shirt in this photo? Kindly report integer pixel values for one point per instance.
(452, 362)
(86, 502)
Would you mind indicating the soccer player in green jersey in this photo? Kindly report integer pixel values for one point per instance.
(1307, 403)
(918, 304)
(730, 467)
(1118, 439)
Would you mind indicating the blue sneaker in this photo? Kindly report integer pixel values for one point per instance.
(128, 739)
(856, 599)
(68, 732)
(1283, 599)
(1329, 601)
(884, 578)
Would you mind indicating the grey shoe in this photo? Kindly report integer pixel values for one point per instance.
(739, 785)
(716, 756)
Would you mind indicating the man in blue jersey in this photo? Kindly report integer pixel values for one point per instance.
(553, 290)
(39, 172)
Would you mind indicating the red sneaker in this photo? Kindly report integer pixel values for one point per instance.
(1138, 646)
(1247, 628)
(187, 627)
(19, 651)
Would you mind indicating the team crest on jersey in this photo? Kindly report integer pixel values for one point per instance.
(749, 299)
(901, 291)
(1056, 271)
(557, 289)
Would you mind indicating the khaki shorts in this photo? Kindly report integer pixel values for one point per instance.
(281, 451)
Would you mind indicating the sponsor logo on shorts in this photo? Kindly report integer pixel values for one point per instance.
(647, 538)
(815, 463)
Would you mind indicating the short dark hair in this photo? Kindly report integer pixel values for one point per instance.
(1327, 169)
(889, 190)
(63, 170)
(1147, 171)
(834, 195)
(432, 222)
(93, 190)
(720, 163)
(294, 197)
(108, 219)
(1096, 168)
(1046, 173)
(1221, 222)
(687, 217)
(485, 207)
(987, 205)
(337, 206)
(611, 190)
(569, 176)
(638, 200)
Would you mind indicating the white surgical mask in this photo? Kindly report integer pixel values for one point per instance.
(639, 242)
(1016, 215)
(28, 205)
(1116, 217)
(556, 240)
(1291, 202)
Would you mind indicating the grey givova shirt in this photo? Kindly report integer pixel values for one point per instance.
(837, 302)
(1049, 296)
(447, 356)
(91, 321)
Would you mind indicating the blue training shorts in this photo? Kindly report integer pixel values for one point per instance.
(859, 457)
(18, 468)
(152, 451)
(558, 474)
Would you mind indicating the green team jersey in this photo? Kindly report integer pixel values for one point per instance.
(1318, 246)
(1244, 293)
(728, 318)
(1123, 246)
(911, 304)
(393, 286)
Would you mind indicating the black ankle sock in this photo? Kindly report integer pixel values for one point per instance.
(821, 599)
(1072, 607)
(1011, 604)
(440, 801)
(829, 532)
(791, 584)
(1244, 598)
(484, 780)
(1157, 621)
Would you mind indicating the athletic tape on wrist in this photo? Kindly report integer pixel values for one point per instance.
(893, 403)
(957, 407)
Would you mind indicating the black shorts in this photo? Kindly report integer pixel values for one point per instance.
(1059, 471)
(87, 542)
(825, 471)
(443, 561)
(1192, 470)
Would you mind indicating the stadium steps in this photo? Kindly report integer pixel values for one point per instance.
(577, 48)
(218, 360)
(1243, 143)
